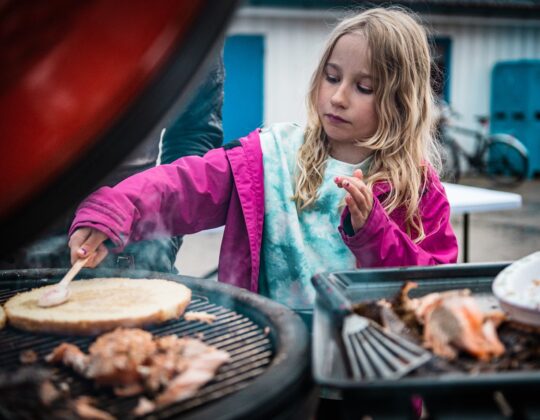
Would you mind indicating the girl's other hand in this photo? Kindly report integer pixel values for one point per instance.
(88, 241)
(359, 198)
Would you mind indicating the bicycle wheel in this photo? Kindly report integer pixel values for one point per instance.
(451, 170)
(506, 160)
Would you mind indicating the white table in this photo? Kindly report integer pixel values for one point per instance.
(466, 200)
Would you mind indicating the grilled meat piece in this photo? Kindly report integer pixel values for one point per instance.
(201, 369)
(452, 321)
(128, 390)
(69, 355)
(403, 306)
(133, 361)
(370, 309)
(200, 316)
(115, 357)
(27, 393)
(86, 409)
(28, 357)
(144, 406)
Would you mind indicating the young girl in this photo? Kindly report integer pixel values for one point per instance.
(356, 188)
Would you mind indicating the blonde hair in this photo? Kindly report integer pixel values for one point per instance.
(403, 144)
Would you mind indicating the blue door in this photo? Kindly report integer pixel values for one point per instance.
(515, 105)
(243, 56)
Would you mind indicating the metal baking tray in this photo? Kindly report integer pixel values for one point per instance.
(330, 369)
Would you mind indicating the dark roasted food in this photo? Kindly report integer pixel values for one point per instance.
(29, 394)
(28, 357)
(132, 361)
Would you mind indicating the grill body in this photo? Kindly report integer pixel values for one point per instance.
(268, 375)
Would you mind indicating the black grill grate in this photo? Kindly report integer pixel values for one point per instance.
(250, 348)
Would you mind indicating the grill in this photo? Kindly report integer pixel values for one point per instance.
(475, 390)
(256, 332)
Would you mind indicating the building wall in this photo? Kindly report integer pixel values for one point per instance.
(295, 38)
(477, 45)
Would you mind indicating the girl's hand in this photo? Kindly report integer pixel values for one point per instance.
(88, 241)
(359, 198)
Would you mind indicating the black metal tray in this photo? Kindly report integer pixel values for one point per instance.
(385, 396)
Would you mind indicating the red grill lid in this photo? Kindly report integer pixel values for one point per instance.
(81, 83)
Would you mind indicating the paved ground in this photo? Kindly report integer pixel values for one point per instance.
(495, 236)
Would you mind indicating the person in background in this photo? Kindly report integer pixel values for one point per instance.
(356, 187)
(197, 129)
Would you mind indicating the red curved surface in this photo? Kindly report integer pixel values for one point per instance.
(68, 70)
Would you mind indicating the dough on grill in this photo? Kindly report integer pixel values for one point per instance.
(100, 305)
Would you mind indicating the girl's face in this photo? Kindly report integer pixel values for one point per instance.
(346, 99)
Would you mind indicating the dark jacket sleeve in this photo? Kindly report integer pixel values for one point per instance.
(199, 127)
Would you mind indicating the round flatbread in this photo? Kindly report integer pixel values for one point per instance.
(100, 305)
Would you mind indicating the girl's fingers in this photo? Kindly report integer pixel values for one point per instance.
(355, 190)
(340, 180)
(368, 196)
(357, 214)
(85, 242)
(99, 255)
(361, 187)
(353, 207)
(75, 242)
(358, 174)
(359, 200)
(354, 181)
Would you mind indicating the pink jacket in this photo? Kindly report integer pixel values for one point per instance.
(225, 187)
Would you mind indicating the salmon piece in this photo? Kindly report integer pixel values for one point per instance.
(424, 305)
(458, 323)
(453, 321)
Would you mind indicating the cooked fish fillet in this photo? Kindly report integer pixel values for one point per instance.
(458, 323)
(100, 305)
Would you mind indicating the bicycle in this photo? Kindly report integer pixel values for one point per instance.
(501, 157)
